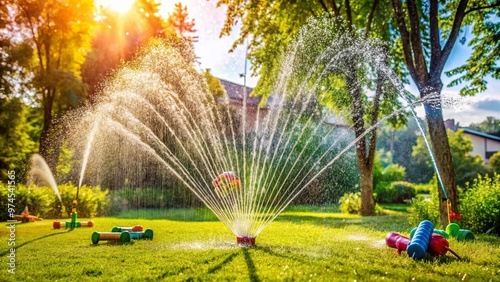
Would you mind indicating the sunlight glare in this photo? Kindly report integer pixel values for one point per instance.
(121, 6)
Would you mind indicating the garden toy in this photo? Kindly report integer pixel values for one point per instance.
(438, 245)
(225, 183)
(147, 234)
(123, 237)
(135, 228)
(435, 231)
(67, 224)
(460, 234)
(26, 217)
(420, 242)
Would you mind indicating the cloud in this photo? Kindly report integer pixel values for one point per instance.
(488, 105)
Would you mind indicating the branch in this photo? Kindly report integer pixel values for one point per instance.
(497, 4)
(416, 41)
(348, 12)
(457, 23)
(434, 32)
(323, 5)
(405, 37)
(370, 17)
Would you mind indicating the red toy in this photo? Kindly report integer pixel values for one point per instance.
(438, 245)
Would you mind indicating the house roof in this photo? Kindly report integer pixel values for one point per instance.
(481, 134)
(236, 91)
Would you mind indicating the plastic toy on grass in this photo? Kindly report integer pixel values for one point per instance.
(135, 228)
(73, 223)
(460, 234)
(438, 245)
(26, 217)
(420, 241)
(147, 234)
(226, 183)
(123, 237)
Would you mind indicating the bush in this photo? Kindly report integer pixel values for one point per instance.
(350, 203)
(424, 209)
(43, 202)
(480, 205)
(397, 192)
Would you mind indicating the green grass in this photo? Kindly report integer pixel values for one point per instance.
(300, 245)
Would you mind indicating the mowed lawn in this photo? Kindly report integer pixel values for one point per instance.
(300, 245)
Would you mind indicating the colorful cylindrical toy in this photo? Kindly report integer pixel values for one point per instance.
(123, 237)
(246, 241)
(435, 231)
(460, 234)
(397, 241)
(67, 224)
(147, 234)
(420, 242)
(136, 228)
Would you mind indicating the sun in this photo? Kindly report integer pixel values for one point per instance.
(120, 6)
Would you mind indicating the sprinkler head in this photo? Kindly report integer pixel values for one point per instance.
(245, 241)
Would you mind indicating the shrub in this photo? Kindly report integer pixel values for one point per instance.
(350, 203)
(43, 202)
(424, 209)
(480, 205)
(396, 192)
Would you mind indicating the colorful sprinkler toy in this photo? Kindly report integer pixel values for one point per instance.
(123, 234)
(226, 183)
(73, 223)
(422, 241)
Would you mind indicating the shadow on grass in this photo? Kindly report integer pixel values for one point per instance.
(182, 214)
(32, 241)
(252, 272)
(386, 223)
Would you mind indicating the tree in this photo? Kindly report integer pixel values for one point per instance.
(18, 131)
(214, 85)
(271, 33)
(467, 166)
(58, 32)
(273, 25)
(491, 126)
(420, 50)
(117, 38)
(428, 30)
(494, 163)
(179, 20)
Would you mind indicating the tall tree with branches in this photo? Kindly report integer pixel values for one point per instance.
(421, 35)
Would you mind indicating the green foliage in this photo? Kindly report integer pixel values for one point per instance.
(350, 203)
(494, 163)
(179, 20)
(490, 125)
(424, 207)
(467, 167)
(43, 202)
(214, 85)
(397, 192)
(18, 135)
(480, 205)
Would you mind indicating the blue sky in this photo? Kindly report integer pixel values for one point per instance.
(213, 53)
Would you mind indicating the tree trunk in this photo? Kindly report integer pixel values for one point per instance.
(442, 152)
(366, 181)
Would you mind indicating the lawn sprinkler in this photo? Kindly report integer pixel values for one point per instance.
(245, 241)
(460, 234)
(73, 223)
(420, 241)
(26, 217)
(135, 228)
(123, 237)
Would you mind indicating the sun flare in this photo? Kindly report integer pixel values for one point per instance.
(120, 6)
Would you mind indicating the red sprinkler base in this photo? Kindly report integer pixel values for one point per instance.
(247, 241)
